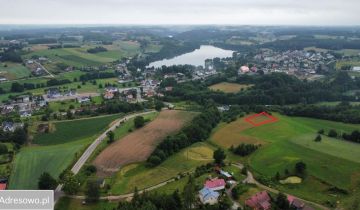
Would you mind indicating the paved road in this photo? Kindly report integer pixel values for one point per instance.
(50, 74)
(85, 156)
(124, 196)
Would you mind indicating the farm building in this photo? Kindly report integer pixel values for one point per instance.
(208, 196)
(215, 184)
(259, 201)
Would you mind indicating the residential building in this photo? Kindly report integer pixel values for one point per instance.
(259, 201)
(208, 196)
(215, 184)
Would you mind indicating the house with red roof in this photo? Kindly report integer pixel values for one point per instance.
(215, 184)
(259, 201)
(3, 186)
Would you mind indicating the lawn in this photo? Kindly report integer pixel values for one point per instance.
(69, 131)
(229, 87)
(138, 175)
(331, 162)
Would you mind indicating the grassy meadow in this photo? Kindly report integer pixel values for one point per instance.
(331, 162)
(229, 87)
(140, 176)
(14, 71)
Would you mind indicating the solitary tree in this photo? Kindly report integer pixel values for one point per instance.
(70, 183)
(139, 121)
(92, 191)
(46, 182)
(321, 131)
(300, 168)
(318, 138)
(189, 193)
(219, 156)
(282, 201)
(333, 133)
(158, 105)
(111, 136)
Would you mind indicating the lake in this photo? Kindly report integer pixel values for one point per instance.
(196, 57)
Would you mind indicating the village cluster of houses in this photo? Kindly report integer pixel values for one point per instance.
(212, 189)
(8, 126)
(300, 63)
(24, 105)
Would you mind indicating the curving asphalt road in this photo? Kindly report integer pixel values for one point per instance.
(85, 156)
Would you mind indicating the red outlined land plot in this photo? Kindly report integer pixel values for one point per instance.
(260, 119)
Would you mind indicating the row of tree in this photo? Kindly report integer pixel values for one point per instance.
(198, 130)
(244, 149)
(18, 87)
(347, 114)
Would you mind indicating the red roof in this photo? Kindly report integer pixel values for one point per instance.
(214, 183)
(2, 186)
(260, 201)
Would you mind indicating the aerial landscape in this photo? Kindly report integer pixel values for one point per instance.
(179, 105)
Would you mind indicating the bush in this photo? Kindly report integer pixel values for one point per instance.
(332, 133)
(90, 169)
(139, 121)
(318, 138)
(3, 149)
(46, 182)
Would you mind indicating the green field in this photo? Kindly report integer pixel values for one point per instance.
(140, 176)
(70, 131)
(31, 161)
(331, 162)
(14, 71)
(72, 56)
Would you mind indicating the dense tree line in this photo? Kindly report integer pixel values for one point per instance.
(96, 75)
(11, 55)
(198, 130)
(55, 82)
(353, 136)
(347, 114)
(244, 149)
(97, 50)
(117, 106)
(42, 41)
(303, 41)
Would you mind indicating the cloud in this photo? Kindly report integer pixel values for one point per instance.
(260, 12)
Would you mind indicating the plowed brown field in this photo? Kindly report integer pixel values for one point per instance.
(138, 145)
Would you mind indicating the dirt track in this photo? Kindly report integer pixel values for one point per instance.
(138, 145)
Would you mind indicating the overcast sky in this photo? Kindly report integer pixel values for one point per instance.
(238, 12)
